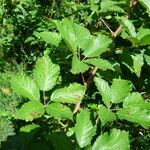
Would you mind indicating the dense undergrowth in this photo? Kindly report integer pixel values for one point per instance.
(74, 75)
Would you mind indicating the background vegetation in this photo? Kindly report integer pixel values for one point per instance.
(74, 74)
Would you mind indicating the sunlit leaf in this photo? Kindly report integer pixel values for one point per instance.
(115, 140)
(105, 115)
(84, 130)
(25, 86)
(59, 111)
(30, 111)
(46, 73)
(71, 94)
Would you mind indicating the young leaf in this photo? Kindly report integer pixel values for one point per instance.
(59, 111)
(49, 37)
(25, 86)
(146, 4)
(96, 45)
(46, 73)
(105, 115)
(78, 66)
(30, 111)
(100, 63)
(136, 115)
(84, 130)
(71, 94)
(138, 62)
(116, 140)
(119, 90)
(104, 90)
(128, 26)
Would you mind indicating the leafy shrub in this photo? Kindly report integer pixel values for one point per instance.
(88, 88)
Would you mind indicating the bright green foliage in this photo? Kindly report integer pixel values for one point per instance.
(112, 6)
(25, 86)
(119, 90)
(105, 115)
(136, 109)
(29, 128)
(78, 66)
(96, 45)
(100, 63)
(46, 73)
(49, 37)
(52, 53)
(30, 111)
(135, 114)
(143, 36)
(104, 90)
(72, 33)
(128, 26)
(84, 130)
(71, 94)
(116, 140)
(59, 111)
(114, 93)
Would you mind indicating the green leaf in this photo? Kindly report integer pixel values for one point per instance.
(100, 63)
(46, 73)
(119, 90)
(135, 99)
(59, 111)
(71, 94)
(138, 62)
(116, 140)
(143, 36)
(96, 45)
(135, 109)
(72, 33)
(84, 130)
(104, 90)
(49, 37)
(105, 115)
(146, 4)
(127, 24)
(25, 86)
(29, 128)
(78, 66)
(112, 6)
(136, 115)
(30, 111)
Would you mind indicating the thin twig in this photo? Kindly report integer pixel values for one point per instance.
(77, 107)
(107, 26)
